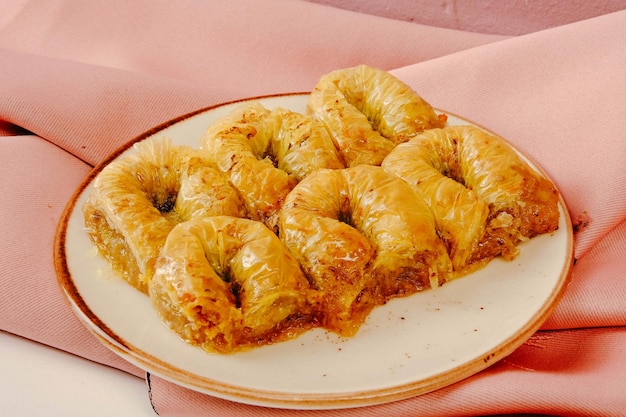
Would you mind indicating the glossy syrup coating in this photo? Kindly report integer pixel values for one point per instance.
(282, 222)
(363, 236)
(226, 283)
(485, 197)
(138, 199)
(368, 111)
(266, 152)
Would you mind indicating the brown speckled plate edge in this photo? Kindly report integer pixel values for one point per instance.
(318, 400)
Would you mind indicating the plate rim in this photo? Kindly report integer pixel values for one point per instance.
(272, 398)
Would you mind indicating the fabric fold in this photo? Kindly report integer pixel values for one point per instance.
(544, 93)
(596, 294)
(41, 178)
(264, 46)
(551, 374)
(94, 110)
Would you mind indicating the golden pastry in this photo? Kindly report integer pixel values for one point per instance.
(225, 283)
(283, 222)
(266, 152)
(137, 199)
(368, 111)
(485, 197)
(362, 236)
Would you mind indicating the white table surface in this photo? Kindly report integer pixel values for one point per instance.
(36, 380)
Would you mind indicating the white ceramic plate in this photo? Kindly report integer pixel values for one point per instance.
(408, 347)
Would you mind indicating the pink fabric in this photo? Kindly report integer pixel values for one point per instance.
(511, 17)
(79, 79)
(553, 373)
(40, 177)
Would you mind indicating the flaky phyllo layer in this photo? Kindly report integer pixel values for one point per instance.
(280, 222)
